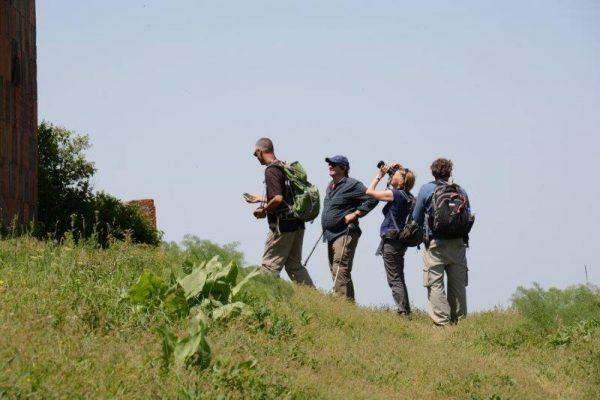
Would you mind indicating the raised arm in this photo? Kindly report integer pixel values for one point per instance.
(381, 195)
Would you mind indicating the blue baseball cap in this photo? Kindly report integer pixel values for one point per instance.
(339, 160)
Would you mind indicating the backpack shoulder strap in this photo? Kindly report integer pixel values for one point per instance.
(410, 199)
(411, 203)
(403, 194)
(283, 166)
(438, 184)
(277, 163)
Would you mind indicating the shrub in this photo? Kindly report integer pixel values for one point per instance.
(114, 219)
(552, 308)
(67, 202)
(201, 249)
(64, 176)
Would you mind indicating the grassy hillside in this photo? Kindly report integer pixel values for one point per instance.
(67, 332)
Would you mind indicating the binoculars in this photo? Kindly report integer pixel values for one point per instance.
(391, 171)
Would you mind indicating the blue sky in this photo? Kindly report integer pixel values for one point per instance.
(174, 94)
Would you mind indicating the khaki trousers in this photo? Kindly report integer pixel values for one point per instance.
(446, 255)
(285, 250)
(341, 256)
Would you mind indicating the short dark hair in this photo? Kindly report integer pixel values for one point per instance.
(441, 168)
(265, 144)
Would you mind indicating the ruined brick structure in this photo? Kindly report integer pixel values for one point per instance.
(18, 111)
(147, 206)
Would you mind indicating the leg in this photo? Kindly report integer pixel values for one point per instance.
(403, 281)
(342, 256)
(330, 259)
(332, 265)
(350, 251)
(393, 261)
(293, 265)
(433, 280)
(277, 250)
(457, 280)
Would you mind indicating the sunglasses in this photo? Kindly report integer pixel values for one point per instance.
(333, 165)
(255, 154)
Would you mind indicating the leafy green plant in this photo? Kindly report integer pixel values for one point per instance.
(152, 291)
(193, 347)
(147, 290)
(581, 330)
(209, 293)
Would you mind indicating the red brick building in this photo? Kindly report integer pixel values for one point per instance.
(18, 111)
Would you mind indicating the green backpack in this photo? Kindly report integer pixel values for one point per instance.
(307, 202)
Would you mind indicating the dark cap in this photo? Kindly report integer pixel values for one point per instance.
(339, 160)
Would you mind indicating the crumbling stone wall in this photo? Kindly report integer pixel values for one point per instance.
(18, 111)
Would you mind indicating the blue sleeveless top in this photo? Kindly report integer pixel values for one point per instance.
(397, 209)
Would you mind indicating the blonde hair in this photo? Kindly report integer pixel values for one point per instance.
(409, 179)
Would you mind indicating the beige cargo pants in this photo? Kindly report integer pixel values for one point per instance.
(341, 256)
(285, 250)
(446, 255)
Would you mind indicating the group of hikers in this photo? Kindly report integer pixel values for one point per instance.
(439, 218)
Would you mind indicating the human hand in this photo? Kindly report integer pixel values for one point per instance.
(382, 171)
(260, 213)
(252, 198)
(349, 218)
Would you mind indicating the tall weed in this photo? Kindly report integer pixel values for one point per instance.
(553, 308)
(197, 250)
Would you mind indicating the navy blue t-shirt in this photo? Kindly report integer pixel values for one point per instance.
(397, 209)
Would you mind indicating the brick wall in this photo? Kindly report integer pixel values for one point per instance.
(18, 110)
(147, 206)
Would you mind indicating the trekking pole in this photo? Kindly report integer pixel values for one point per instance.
(337, 271)
(313, 249)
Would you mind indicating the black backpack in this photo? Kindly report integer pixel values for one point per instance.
(411, 235)
(449, 217)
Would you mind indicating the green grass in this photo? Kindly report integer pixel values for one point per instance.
(65, 332)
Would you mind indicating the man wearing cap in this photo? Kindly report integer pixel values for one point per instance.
(345, 202)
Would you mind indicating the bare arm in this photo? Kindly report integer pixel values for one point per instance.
(381, 195)
(261, 212)
(273, 203)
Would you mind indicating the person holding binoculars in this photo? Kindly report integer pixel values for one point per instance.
(400, 203)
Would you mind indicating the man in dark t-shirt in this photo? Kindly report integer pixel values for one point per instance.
(275, 182)
(286, 233)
